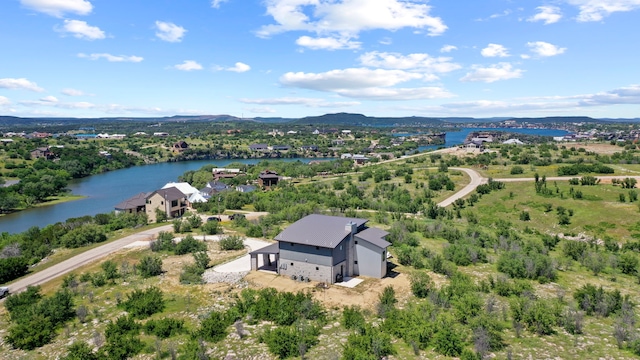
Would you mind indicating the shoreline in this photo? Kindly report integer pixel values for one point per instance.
(55, 200)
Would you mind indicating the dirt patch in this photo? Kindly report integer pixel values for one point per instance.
(364, 295)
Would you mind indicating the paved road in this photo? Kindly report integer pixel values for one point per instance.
(84, 258)
(476, 179)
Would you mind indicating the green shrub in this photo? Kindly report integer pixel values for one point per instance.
(517, 170)
(164, 328)
(290, 341)
(369, 343)
(214, 327)
(189, 245)
(352, 317)
(80, 350)
(421, 284)
(12, 268)
(144, 303)
(150, 266)
(231, 242)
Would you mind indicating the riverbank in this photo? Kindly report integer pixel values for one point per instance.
(54, 200)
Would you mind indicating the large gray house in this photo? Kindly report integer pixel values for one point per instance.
(328, 249)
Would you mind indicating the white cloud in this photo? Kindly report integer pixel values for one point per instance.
(188, 65)
(21, 83)
(418, 61)
(72, 92)
(448, 48)
(495, 50)
(364, 83)
(49, 99)
(391, 94)
(82, 30)
(308, 102)
(545, 49)
(386, 41)
(596, 10)
(169, 31)
(4, 101)
(548, 14)
(543, 105)
(112, 58)
(52, 101)
(216, 3)
(239, 68)
(327, 43)
(262, 110)
(353, 78)
(501, 71)
(58, 8)
(348, 17)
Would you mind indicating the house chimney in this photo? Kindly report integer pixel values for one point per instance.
(351, 227)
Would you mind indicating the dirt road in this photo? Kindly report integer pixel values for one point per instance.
(84, 258)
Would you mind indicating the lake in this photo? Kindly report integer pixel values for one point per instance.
(104, 191)
(457, 137)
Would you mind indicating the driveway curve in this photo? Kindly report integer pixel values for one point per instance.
(476, 179)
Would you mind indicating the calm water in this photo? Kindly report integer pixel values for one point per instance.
(104, 191)
(457, 137)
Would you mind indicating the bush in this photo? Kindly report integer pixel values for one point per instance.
(189, 245)
(352, 318)
(211, 228)
(191, 274)
(122, 340)
(150, 266)
(12, 268)
(598, 301)
(421, 284)
(144, 303)
(517, 170)
(214, 327)
(80, 350)
(231, 242)
(84, 235)
(628, 263)
(164, 328)
(290, 341)
(369, 343)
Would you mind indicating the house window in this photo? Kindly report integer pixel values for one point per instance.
(317, 268)
(356, 262)
(340, 247)
(174, 203)
(356, 242)
(161, 202)
(291, 244)
(291, 264)
(384, 255)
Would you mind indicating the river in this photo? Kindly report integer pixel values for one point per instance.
(104, 191)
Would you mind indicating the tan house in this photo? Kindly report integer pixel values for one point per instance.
(171, 201)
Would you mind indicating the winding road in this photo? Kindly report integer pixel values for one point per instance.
(146, 235)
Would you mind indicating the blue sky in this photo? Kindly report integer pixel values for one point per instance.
(295, 58)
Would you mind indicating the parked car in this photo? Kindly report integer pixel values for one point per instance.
(213, 218)
(4, 291)
(236, 216)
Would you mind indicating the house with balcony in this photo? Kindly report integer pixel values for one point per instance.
(171, 201)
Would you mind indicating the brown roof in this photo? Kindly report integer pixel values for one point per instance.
(133, 202)
(169, 194)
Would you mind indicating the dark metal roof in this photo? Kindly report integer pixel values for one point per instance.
(374, 236)
(133, 202)
(269, 249)
(169, 194)
(319, 230)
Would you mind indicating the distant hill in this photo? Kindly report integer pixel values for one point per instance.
(362, 120)
(556, 119)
